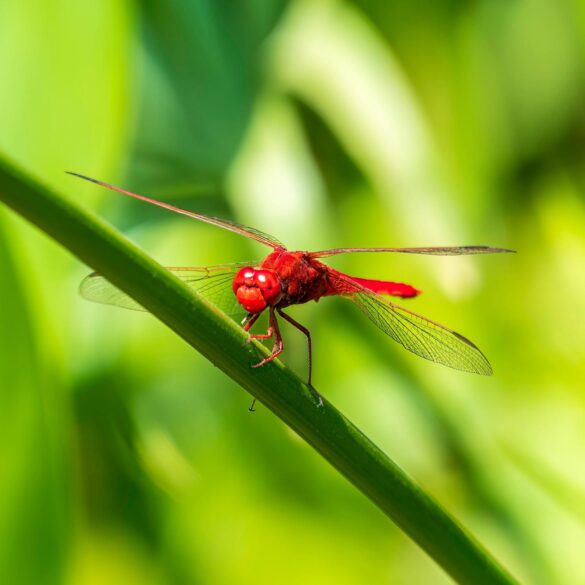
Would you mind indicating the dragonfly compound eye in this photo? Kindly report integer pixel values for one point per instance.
(269, 284)
(244, 277)
(256, 289)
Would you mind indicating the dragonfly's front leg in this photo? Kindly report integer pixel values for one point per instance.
(278, 346)
(273, 329)
(249, 321)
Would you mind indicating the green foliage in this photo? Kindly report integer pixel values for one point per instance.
(225, 345)
(125, 457)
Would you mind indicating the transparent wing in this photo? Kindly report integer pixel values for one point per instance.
(416, 333)
(213, 282)
(432, 251)
(249, 232)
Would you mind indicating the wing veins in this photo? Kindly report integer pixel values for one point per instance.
(232, 226)
(430, 251)
(419, 335)
(213, 283)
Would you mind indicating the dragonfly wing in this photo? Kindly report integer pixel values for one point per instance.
(432, 251)
(97, 289)
(212, 282)
(249, 232)
(416, 333)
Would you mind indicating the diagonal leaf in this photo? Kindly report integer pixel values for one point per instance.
(220, 340)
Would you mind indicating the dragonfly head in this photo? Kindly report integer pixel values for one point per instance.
(256, 288)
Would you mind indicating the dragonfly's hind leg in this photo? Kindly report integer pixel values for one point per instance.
(278, 347)
(307, 334)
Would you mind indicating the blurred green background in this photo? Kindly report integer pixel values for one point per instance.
(125, 457)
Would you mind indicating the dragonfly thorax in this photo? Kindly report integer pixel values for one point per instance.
(256, 288)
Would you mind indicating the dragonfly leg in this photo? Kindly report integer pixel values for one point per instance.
(249, 320)
(278, 343)
(247, 323)
(307, 333)
(266, 335)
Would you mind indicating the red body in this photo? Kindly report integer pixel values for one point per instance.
(286, 278)
(291, 278)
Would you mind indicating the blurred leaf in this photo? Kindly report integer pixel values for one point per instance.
(337, 123)
(33, 507)
(225, 344)
(202, 67)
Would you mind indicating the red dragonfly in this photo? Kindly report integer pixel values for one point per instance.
(286, 278)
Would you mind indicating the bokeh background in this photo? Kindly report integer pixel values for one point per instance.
(125, 457)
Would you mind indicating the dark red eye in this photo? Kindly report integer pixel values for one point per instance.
(255, 289)
(245, 276)
(269, 284)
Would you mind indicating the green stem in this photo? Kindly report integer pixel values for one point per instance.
(224, 343)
